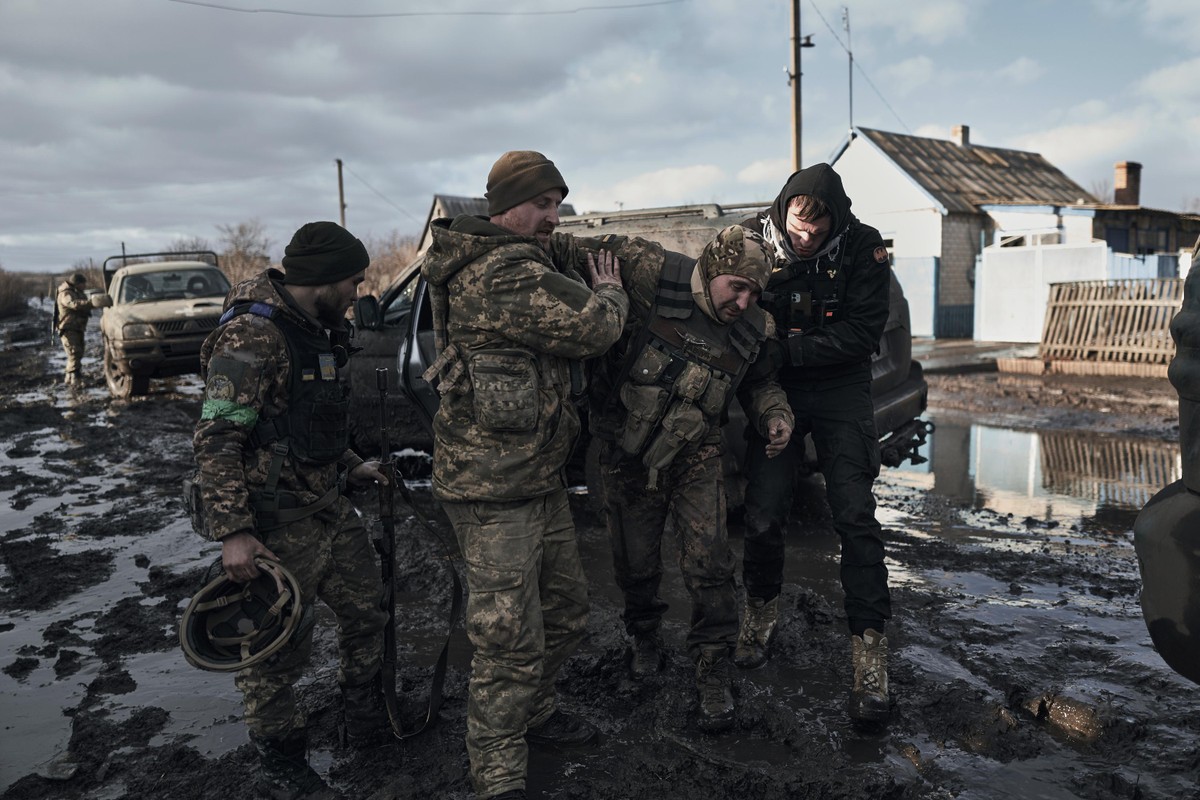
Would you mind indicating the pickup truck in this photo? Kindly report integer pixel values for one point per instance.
(398, 327)
(156, 316)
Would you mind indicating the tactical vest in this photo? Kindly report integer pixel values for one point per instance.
(806, 295)
(681, 372)
(315, 427)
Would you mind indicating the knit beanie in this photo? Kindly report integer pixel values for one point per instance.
(322, 253)
(520, 175)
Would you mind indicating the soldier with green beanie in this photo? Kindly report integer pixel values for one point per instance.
(659, 399)
(73, 307)
(273, 453)
(513, 318)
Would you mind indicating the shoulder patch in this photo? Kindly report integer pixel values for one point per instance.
(881, 255)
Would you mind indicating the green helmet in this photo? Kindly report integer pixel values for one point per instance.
(228, 626)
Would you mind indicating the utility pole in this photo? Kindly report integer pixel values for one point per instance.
(794, 81)
(341, 194)
(850, 53)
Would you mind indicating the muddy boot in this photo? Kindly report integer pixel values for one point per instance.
(759, 621)
(284, 772)
(869, 700)
(645, 654)
(365, 715)
(714, 682)
(562, 729)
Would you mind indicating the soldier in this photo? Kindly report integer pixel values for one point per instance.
(831, 281)
(513, 317)
(657, 409)
(272, 448)
(72, 309)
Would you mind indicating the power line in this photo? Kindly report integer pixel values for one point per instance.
(288, 12)
(858, 66)
(381, 194)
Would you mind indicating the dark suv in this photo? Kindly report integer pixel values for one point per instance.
(397, 331)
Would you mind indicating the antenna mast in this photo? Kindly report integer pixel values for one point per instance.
(850, 53)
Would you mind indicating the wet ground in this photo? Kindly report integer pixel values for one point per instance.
(1020, 667)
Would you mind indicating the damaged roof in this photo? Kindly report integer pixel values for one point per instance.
(964, 177)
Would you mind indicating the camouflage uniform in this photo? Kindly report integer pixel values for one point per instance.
(247, 379)
(512, 318)
(74, 308)
(690, 490)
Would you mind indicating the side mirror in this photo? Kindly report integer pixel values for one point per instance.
(367, 314)
(101, 301)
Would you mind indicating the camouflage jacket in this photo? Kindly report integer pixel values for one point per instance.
(642, 267)
(74, 308)
(247, 371)
(515, 317)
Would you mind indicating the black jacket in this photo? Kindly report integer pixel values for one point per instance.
(830, 310)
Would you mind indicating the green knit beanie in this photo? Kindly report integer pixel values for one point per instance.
(520, 175)
(322, 253)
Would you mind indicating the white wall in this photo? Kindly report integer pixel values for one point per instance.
(1013, 285)
(917, 277)
(1076, 228)
(882, 196)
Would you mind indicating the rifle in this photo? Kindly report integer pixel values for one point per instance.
(387, 551)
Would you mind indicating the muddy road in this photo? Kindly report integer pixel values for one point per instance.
(1020, 667)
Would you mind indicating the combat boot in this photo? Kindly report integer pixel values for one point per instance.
(365, 714)
(714, 685)
(562, 729)
(646, 657)
(284, 772)
(869, 700)
(759, 621)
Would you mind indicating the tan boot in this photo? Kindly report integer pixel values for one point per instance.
(869, 701)
(714, 685)
(759, 620)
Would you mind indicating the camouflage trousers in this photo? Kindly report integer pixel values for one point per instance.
(691, 497)
(526, 613)
(332, 558)
(72, 342)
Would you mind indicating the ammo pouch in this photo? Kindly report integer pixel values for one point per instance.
(193, 504)
(683, 423)
(644, 405)
(505, 384)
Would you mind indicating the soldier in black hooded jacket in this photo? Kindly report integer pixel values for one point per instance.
(829, 294)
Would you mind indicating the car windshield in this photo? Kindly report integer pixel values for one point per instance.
(176, 284)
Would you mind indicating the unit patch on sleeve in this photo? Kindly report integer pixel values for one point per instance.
(881, 255)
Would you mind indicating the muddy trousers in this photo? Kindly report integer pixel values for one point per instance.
(332, 558)
(527, 608)
(842, 423)
(691, 498)
(72, 342)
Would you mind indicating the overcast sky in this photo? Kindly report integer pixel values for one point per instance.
(147, 121)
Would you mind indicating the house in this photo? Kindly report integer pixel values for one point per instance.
(449, 205)
(978, 233)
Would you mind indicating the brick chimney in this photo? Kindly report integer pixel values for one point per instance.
(1127, 183)
(961, 134)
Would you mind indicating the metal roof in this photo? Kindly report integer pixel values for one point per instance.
(964, 177)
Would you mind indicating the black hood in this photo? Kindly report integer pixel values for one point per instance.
(819, 181)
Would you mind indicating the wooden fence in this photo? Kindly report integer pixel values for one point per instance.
(1117, 327)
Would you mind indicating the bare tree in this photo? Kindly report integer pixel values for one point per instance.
(245, 249)
(1102, 190)
(389, 255)
(187, 244)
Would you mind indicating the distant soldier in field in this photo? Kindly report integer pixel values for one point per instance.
(659, 399)
(72, 309)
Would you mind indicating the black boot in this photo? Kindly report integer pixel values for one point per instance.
(646, 657)
(365, 713)
(714, 684)
(284, 771)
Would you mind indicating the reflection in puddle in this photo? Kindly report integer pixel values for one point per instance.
(1046, 475)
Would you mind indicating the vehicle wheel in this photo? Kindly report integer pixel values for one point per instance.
(121, 385)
